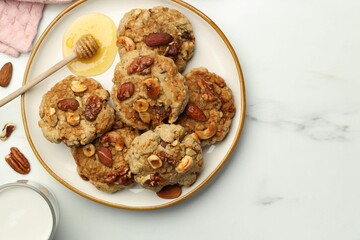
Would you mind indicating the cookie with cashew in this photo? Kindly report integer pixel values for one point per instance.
(103, 163)
(165, 156)
(75, 111)
(163, 30)
(148, 90)
(211, 107)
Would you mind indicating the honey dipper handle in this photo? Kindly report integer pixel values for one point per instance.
(37, 79)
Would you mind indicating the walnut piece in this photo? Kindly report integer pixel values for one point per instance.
(155, 180)
(93, 107)
(141, 65)
(7, 131)
(125, 91)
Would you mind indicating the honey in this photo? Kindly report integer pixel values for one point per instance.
(103, 29)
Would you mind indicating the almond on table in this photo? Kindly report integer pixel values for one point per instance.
(6, 74)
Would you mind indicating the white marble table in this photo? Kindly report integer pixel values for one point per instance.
(296, 169)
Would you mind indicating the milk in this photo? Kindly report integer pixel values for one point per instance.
(24, 214)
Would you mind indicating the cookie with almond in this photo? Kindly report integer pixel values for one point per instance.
(148, 90)
(103, 163)
(211, 107)
(163, 30)
(165, 156)
(75, 111)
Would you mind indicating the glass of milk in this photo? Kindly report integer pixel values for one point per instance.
(28, 210)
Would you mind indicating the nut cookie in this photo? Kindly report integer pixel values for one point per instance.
(163, 30)
(148, 90)
(102, 162)
(75, 111)
(165, 156)
(211, 106)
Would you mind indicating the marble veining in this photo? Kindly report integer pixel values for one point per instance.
(316, 126)
(269, 200)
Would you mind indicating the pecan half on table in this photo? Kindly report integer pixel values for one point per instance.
(18, 161)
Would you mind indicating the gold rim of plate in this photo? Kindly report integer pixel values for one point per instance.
(203, 183)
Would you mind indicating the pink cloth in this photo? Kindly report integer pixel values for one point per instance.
(19, 21)
(9, 50)
(18, 24)
(46, 1)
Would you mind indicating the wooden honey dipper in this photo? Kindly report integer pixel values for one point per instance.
(85, 47)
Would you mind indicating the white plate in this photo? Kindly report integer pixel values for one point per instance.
(213, 51)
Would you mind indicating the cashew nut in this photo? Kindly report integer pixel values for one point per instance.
(78, 87)
(125, 42)
(208, 132)
(185, 164)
